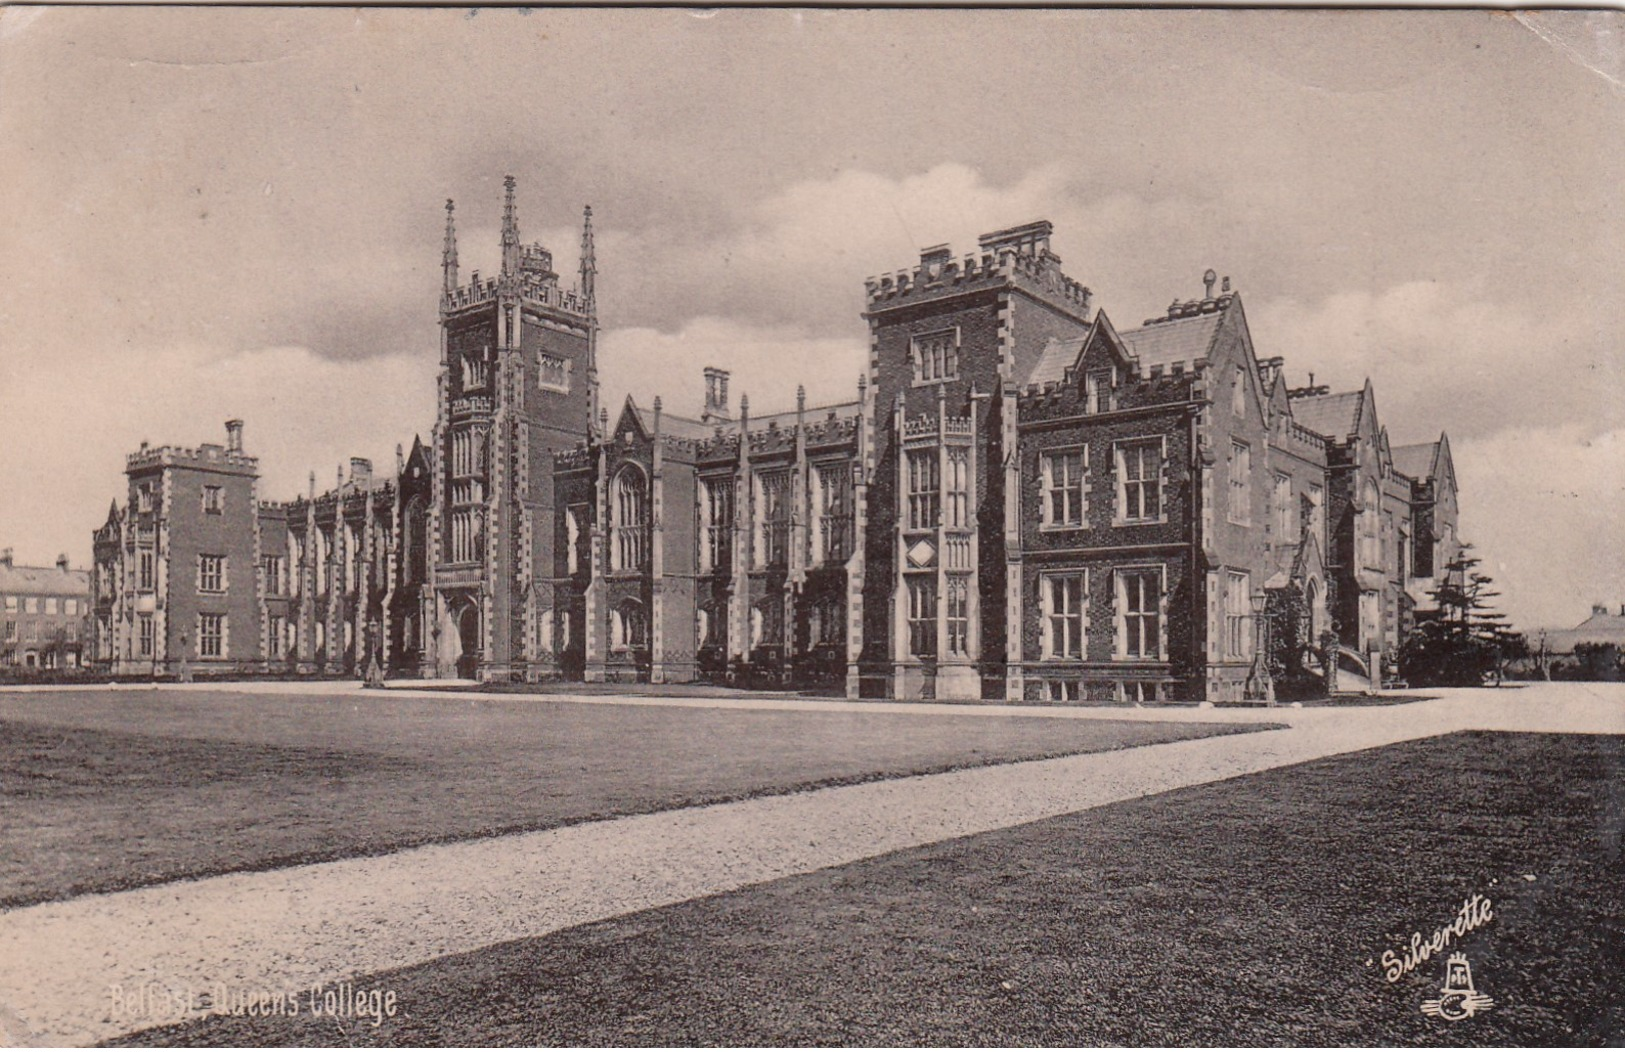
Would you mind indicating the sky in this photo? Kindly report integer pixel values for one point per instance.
(218, 213)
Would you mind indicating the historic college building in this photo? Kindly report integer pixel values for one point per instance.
(1020, 501)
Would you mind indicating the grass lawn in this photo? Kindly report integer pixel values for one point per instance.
(1251, 912)
(107, 790)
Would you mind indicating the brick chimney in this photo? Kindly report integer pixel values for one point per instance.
(62, 562)
(5, 558)
(234, 436)
(716, 396)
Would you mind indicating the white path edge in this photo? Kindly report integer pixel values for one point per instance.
(294, 928)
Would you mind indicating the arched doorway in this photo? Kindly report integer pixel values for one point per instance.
(468, 637)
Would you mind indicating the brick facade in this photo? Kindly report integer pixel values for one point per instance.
(1019, 502)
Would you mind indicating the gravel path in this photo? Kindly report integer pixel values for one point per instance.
(293, 928)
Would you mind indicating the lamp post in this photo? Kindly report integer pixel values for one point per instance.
(1260, 687)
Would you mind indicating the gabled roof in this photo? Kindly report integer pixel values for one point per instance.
(1060, 355)
(1333, 415)
(672, 424)
(43, 580)
(1175, 340)
(1416, 460)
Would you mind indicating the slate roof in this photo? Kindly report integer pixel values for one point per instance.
(1332, 415)
(1177, 340)
(672, 424)
(1416, 460)
(1053, 361)
(43, 580)
(1598, 628)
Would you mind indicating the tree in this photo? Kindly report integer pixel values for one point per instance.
(1466, 643)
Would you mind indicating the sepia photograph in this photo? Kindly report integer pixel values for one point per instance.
(781, 527)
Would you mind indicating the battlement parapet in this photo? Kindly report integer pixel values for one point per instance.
(538, 289)
(471, 406)
(206, 455)
(573, 459)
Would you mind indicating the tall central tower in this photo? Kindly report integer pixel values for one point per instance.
(518, 383)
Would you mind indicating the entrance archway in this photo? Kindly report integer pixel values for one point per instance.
(468, 636)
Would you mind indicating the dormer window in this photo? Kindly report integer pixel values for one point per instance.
(1097, 392)
(1238, 393)
(936, 357)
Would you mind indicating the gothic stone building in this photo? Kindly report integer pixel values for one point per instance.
(1020, 502)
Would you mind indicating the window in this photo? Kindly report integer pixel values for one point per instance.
(143, 498)
(468, 453)
(936, 357)
(705, 627)
(572, 541)
(958, 615)
(1139, 614)
(1063, 476)
(50, 604)
(211, 573)
(1241, 480)
(630, 626)
(211, 635)
(924, 485)
(834, 517)
(144, 635)
(31, 605)
(276, 582)
(1238, 393)
(1097, 393)
(1137, 692)
(1140, 485)
(31, 631)
(1371, 527)
(773, 518)
(1062, 598)
(70, 606)
(1316, 511)
(553, 372)
(1062, 689)
(72, 629)
(829, 624)
(213, 500)
(1286, 529)
(767, 623)
(958, 495)
(1237, 597)
(716, 525)
(11, 604)
(922, 615)
(631, 510)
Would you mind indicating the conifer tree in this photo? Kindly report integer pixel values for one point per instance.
(1467, 642)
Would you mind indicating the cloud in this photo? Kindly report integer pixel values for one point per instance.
(1442, 359)
(1545, 508)
(302, 413)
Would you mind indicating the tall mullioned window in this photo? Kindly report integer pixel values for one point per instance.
(553, 372)
(936, 357)
(716, 524)
(1241, 484)
(1061, 596)
(631, 522)
(146, 563)
(922, 614)
(211, 635)
(1139, 614)
(1285, 522)
(1139, 488)
(211, 573)
(924, 489)
(1063, 481)
(214, 501)
(773, 518)
(146, 636)
(834, 513)
(958, 615)
(1237, 597)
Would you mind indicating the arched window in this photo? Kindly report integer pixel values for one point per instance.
(630, 626)
(412, 540)
(629, 502)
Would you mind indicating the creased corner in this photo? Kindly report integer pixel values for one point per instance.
(1594, 40)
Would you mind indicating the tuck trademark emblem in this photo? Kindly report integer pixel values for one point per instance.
(1457, 999)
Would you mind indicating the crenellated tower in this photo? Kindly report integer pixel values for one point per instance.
(517, 384)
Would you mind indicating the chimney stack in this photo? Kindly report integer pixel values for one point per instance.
(62, 562)
(5, 558)
(716, 395)
(1596, 608)
(234, 436)
(360, 470)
